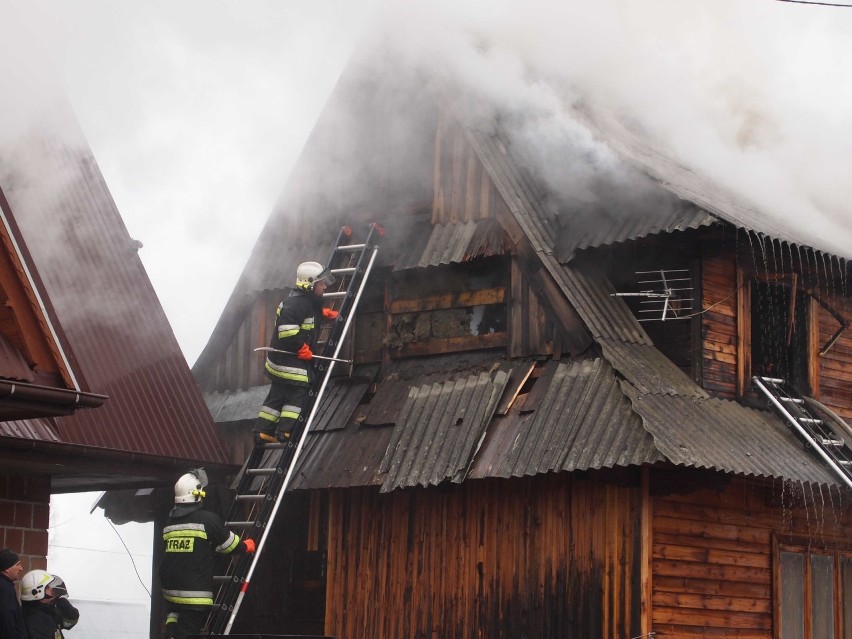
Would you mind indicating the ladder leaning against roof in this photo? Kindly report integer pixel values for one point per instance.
(810, 427)
(264, 480)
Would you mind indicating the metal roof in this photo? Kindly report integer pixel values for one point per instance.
(118, 334)
(38, 429)
(692, 186)
(723, 435)
(649, 370)
(456, 242)
(578, 420)
(440, 429)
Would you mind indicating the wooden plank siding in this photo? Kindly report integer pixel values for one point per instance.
(723, 344)
(240, 367)
(835, 367)
(463, 192)
(712, 551)
(549, 556)
(719, 325)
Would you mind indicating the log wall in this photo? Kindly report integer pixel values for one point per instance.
(719, 325)
(712, 550)
(550, 556)
(832, 376)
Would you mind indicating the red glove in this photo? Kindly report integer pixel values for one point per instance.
(305, 352)
(327, 313)
(250, 546)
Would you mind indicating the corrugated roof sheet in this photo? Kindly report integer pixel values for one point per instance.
(457, 242)
(440, 429)
(582, 421)
(235, 406)
(118, 333)
(38, 429)
(649, 370)
(692, 186)
(726, 436)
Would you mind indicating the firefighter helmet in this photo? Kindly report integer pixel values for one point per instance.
(189, 488)
(34, 584)
(309, 273)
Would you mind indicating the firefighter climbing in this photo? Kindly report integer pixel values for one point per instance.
(288, 363)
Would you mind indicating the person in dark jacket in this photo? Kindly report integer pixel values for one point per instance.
(47, 611)
(11, 616)
(288, 364)
(192, 538)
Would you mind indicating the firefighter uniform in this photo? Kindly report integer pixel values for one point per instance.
(296, 322)
(186, 572)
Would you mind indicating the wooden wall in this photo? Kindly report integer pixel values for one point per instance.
(832, 378)
(719, 325)
(712, 549)
(549, 556)
(240, 367)
(835, 367)
(462, 189)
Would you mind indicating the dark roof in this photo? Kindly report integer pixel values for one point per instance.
(118, 336)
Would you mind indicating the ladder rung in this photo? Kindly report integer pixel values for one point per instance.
(273, 445)
(844, 462)
(351, 247)
(250, 497)
(239, 524)
(809, 420)
(825, 441)
(772, 380)
(336, 295)
(221, 579)
(260, 471)
(794, 400)
(343, 271)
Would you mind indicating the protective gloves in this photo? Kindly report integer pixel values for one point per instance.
(305, 353)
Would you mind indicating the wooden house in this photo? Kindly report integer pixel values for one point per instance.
(95, 394)
(533, 441)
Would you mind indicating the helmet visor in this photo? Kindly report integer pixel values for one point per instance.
(201, 475)
(326, 277)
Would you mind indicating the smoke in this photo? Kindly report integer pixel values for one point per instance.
(196, 111)
(750, 93)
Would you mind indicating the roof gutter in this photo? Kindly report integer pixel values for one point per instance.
(97, 453)
(59, 396)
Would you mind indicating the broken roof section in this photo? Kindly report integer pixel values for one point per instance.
(117, 339)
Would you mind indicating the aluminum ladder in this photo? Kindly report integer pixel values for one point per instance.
(263, 482)
(811, 429)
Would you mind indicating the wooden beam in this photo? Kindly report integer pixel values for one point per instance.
(496, 295)
(743, 333)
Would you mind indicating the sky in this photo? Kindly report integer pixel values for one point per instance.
(197, 110)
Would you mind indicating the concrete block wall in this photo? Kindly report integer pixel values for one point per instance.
(25, 517)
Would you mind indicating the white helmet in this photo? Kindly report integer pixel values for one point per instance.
(189, 488)
(309, 273)
(34, 584)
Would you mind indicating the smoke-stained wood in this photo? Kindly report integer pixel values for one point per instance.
(551, 556)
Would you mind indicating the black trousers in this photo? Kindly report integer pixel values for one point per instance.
(282, 409)
(185, 622)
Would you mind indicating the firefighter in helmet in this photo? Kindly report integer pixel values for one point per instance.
(192, 537)
(44, 601)
(288, 366)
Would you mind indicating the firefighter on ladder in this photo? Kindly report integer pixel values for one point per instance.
(192, 537)
(288, 364)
